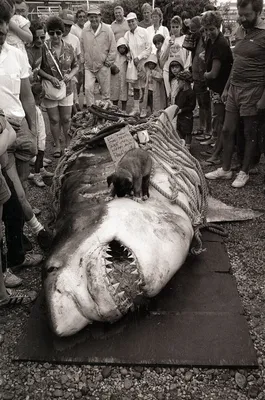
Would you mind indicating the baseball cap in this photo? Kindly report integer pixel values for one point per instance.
(131, 15)
(67, 17)
(94, 10)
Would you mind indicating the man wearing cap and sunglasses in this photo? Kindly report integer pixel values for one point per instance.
(81, 19)
(98, 53)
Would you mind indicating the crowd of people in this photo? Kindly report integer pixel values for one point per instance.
(187, 62)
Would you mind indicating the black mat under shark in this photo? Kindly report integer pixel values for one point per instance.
(196, 320)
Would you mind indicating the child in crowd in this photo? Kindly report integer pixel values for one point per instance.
(119, 86)
(175, 67)
(39, 170)
(158, 41)
(155, 94)
(19, 32)
(186, 102)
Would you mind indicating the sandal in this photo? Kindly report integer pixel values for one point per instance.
(198, 132)
(18, 298)
(217, 161)
(203, 137)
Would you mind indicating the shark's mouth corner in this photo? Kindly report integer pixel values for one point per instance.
(123, 276)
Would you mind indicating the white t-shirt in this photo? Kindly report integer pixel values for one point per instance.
(12, 38)
(13, 67)
(162, 30)
(76, 30)
(74, 42)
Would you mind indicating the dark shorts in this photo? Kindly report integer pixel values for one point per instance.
(184, 126)
(202, 95)
(4, 190)
(243, 101)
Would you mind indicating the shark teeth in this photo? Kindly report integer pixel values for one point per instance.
(135, 272)
(121, 294)
(106, 255)
(116, 286)
(109, 270)
(133, 263)
(107, 262)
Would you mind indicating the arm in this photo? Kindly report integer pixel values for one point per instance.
(216, 67)
(23, 33)
(112, 50)
(148, 48)
(157, 76)
(7, 137)
(28, 103)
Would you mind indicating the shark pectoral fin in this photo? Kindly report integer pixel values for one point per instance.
(221, 212)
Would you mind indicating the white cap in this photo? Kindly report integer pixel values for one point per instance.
(131, 15)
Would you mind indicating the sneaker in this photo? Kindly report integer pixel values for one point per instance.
(241, 180)
(31, 176)
(11, 280)
(18, 298)
(38, 181)
(219, 174)
(31, 260)
(45, 173)
(143, 113)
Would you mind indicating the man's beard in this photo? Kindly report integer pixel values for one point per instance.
(250, 24)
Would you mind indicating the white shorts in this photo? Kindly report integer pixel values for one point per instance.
(66, 102)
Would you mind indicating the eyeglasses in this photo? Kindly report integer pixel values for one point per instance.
(43, 37)
(81, 16)
(58, 33)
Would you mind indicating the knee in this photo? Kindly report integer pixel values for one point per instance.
(65, 119)
(226, 132)
(54, 120)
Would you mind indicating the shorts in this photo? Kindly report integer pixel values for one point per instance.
(243, 101)
(4, 190)
(68, 101)
(25, 145)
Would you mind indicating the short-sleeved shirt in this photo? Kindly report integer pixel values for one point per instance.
(66, 62)
(144, 24)
(198, 65)
(76, 30)
(118, 29)
(34, 56)
(13, 67)
(249, 59)
(219, 50)
(74, 42)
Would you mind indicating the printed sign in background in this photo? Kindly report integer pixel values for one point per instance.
(119, 143)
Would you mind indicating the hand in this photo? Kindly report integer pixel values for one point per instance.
(67, 78)
(202, 55)
(206, 75)
(55, 82)
(224, 95)
(261, 105)
(107, 63)
(136, 61)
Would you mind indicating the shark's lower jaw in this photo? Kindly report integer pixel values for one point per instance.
(123, 276)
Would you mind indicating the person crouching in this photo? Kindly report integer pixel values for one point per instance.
(186, 102)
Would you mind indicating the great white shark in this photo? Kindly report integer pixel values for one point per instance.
(107, 257)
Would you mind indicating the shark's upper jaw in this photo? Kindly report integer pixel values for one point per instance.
(99, 285)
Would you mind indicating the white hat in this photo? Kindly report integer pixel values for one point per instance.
(131, 15)
(94, 11)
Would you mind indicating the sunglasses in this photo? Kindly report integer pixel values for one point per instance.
(58, 33)
(81, 16)
(43, 37)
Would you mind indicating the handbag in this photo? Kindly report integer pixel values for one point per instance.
(51, 92)
(131, 73)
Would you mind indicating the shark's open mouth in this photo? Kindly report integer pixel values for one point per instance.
(123, 276)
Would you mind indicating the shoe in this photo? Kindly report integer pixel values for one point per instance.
(219, 174)
(31, 260)
(241, 180)
(45, 173)
(44, 239)
(31, 176)
(11, 280)
(38, 181)
(254, 170)
(32, 161)
(143, 113)
(18, 298)
(211, 140)
(203, 137)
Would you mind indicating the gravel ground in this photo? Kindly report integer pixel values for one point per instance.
(245, 244)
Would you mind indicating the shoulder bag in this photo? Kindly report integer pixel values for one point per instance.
(51, 92)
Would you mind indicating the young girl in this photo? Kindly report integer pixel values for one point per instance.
(119, 86)
(39, 170)
(19, 32)
(155, 94)
(186, 102)
(175, 67)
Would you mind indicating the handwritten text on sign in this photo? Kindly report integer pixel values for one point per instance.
(119, 143)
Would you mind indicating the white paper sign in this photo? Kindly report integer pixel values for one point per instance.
(119, 143)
